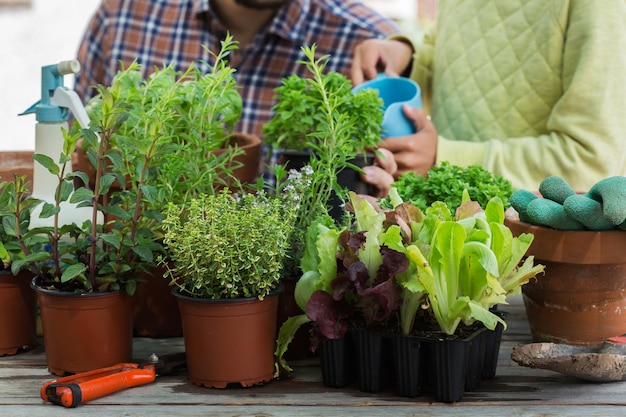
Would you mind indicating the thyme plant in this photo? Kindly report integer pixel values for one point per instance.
(232, 245)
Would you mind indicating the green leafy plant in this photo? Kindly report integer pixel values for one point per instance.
(452, 269)
(104, 252)
(232, 245)
(333, 123)
(14, 197)
(190, 114)
(446, 182)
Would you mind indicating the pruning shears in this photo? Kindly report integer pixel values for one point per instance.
(70, 391)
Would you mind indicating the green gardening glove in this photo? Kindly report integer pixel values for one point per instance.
(611, 194)
(586, 211)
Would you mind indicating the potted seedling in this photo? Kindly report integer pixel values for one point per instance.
(447, 271)
(227, 252)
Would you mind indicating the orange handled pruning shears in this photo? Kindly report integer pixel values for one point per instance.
(70, 391)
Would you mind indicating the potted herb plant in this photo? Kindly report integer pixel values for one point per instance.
(18, 303)
(446, 182)
(87, 271)
(192, 114)
(227, 251)
(336, 131)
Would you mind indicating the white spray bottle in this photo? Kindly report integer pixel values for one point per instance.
(52, 113)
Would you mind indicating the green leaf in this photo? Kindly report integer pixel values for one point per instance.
(143, 252)
(48, 210)
(47, 162)
(73, 271)
(111, 239)
(82, 194)
(285, 335)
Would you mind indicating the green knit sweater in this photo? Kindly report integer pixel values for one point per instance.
(528, 88)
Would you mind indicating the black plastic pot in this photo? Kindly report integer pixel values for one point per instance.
(409, 368)
(374, 360)
(336, 362)
(476, 361)
(492, 348)
(450, 361)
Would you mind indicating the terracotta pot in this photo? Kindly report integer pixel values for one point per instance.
(156, 312)
(16, 162)
(18, 313)
(229, 341)
(85, 331)
(250, 160)
(581, 298)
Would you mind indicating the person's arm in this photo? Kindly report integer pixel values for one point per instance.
(587, 125)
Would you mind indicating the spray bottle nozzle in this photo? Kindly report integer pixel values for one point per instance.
(52, 79)
(66, 67)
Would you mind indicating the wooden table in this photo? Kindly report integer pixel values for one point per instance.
(515, 391)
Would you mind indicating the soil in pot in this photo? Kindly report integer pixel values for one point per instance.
(18, 313)
(229, 341)
(87, 331)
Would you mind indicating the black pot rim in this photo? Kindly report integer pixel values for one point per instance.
(35, 286)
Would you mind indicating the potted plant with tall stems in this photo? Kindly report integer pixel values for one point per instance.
(194, 113)
(227, 251)
(94, 264)
(18, 304)
(337, 129)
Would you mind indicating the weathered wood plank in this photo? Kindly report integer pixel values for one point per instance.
(515, 390)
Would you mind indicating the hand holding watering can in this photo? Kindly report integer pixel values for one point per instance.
(395, 93)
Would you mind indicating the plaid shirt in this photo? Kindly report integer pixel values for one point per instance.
(162, 32)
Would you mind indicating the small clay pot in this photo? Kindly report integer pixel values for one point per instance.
(85, 331)
(18, 313)
(229, 341)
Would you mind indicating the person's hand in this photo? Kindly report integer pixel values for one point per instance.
(376, 55)
(381, 175)
(416, 152)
